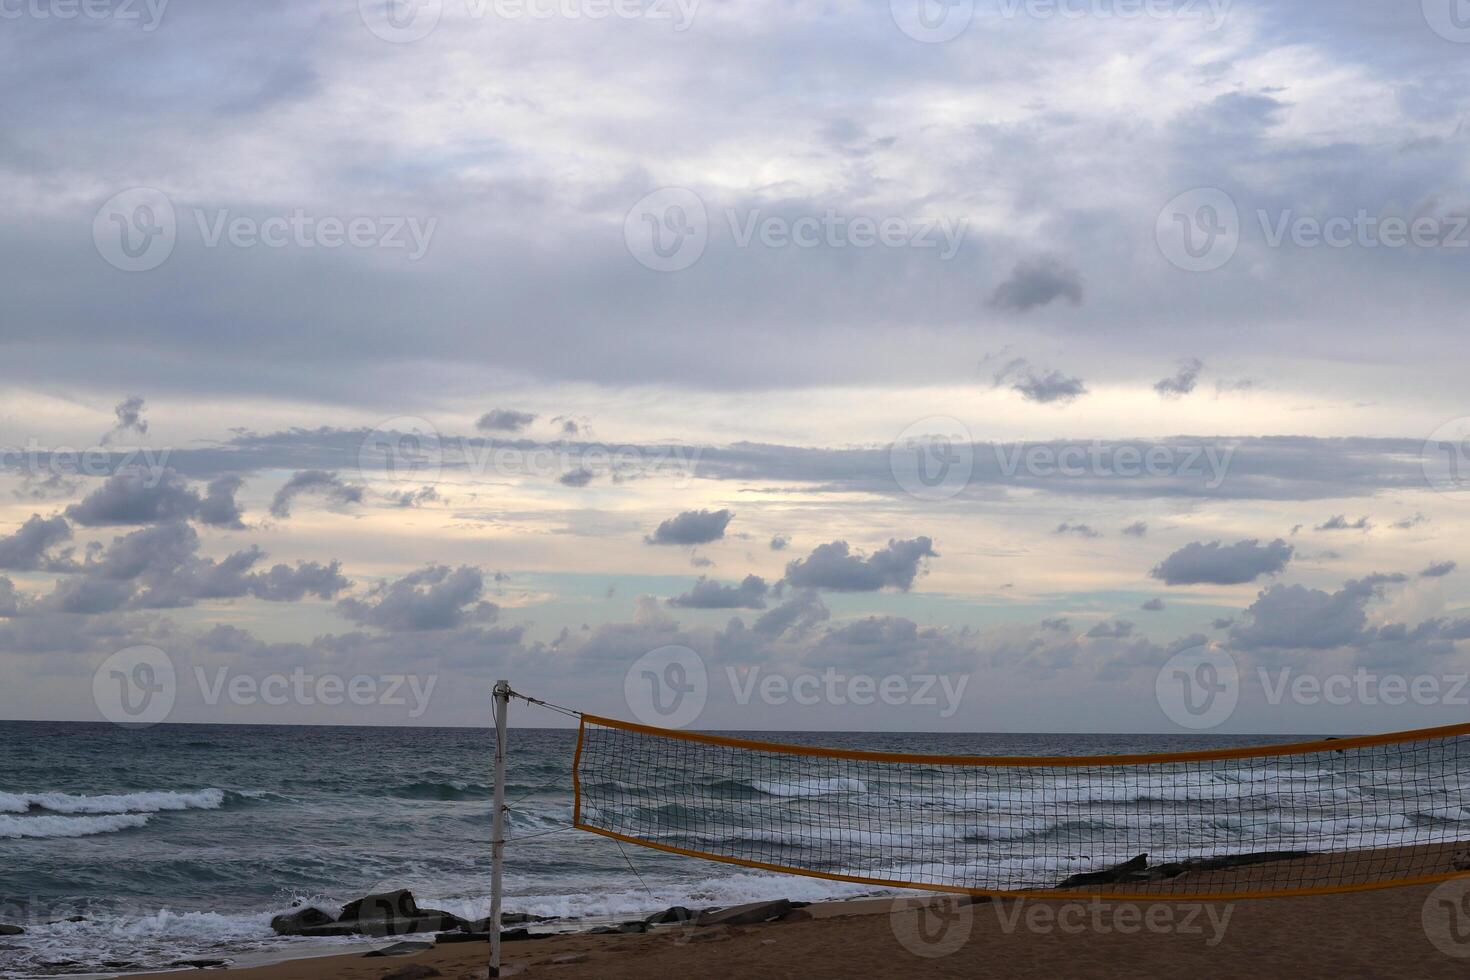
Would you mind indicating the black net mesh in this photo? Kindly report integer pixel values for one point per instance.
(1326, 818)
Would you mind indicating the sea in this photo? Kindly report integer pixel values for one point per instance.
(128, 849)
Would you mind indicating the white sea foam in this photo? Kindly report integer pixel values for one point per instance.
(53, 826)
(811, 787)
(146, 802)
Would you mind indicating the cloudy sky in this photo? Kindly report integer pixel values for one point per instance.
(1022, 342)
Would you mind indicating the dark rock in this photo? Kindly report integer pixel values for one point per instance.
(412, 971)
(622, 928)
(1241, 860)
(521, 918)
(677, 913)
(200, 964)
(744, 915)
(400, 949)
(8, 930)
(1111, 876)
(291, 923)
(395, 914)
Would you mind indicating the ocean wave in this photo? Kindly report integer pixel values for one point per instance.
(50, 827)
(840, 786)
(120, 803)
(451, 791)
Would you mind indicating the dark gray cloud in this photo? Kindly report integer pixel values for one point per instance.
(1439, 569)
(779, 542)
(799, 614)
(1198, 563)
(1137, 529)
(1081, 530)
(139, 496)
(218, 507)
(708, 594)
(29, 548)
(692, 527)
(1338, 522)
(433, 598)
(834, 567)
(1118, 629)
(413, 498)
(579, 477)
(504, 420)
(1182, 381)
(1153, 605)
(1045, 386)
(314, 483)
(129, 414)
(1036, 282)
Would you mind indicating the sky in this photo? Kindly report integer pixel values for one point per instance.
(1000, 365)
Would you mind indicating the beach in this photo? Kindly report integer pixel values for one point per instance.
(1365, 934)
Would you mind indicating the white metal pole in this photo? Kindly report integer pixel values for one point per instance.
(497, 843)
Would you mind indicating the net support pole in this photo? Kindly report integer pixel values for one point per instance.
(497, 841)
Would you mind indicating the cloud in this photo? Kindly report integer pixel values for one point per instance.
(692, 527)
(433, 598)
(219, 508)
(1036, 282)
(834, 567)
(802, 612)
(779, 542)
(1116, 630)
(413, 498)
(579, 477)
(1045, 386)
(504, 420)
(316, 483)
(1214, 564)
(1137, 529)
(28, 548)
(137, 497)
(1183, 380)
(1294, 617)
(1338, 522)
(1438, 569)
(1408, 522)
(1081, 530)
(708, 594)
(129, 414)
(1153, 605)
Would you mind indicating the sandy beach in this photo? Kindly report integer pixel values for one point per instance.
(1411, 931)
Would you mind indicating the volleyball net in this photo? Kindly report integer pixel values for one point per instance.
(1306, 818)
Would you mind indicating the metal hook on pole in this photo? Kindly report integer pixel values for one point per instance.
(497, 842)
